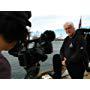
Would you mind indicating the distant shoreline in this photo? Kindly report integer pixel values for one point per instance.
(59, 39)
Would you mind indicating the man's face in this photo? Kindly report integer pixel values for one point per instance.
(69, 29)
(5, 45)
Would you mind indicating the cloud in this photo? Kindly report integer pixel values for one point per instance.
(41, 23)
(53, 22)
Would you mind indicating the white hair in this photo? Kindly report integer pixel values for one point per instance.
(69, 24)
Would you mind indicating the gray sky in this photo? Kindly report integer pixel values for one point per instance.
(52, 14)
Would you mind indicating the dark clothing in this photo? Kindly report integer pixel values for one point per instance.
(5, 69)
(57, 66)
(74, 49)
(76, 71)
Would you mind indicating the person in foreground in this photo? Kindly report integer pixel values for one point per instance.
(73, 52)
(12, 29)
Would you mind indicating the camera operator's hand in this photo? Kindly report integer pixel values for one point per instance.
(88, 69)
(63, 62)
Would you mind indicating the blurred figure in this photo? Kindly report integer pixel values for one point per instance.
(12, 30)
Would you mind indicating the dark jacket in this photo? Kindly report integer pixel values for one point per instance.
(74, 49)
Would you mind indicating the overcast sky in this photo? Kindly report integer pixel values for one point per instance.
(52, 14)
(60, 7)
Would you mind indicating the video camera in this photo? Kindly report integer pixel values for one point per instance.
(29, 57)
(14, 27)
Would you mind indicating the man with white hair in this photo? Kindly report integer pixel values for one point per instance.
(73, 52)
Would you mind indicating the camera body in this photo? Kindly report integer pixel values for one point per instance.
(29, 57)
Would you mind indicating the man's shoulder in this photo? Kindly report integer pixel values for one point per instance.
(66, 38)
